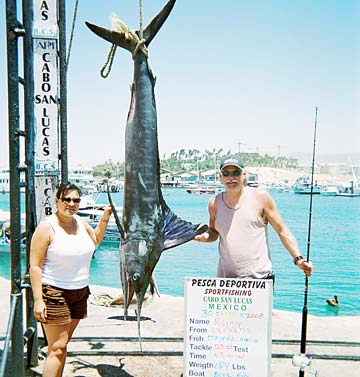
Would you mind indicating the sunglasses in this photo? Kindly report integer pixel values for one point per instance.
(69, 200)
(234, 173)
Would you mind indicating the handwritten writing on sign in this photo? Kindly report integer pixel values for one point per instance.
(227, 327)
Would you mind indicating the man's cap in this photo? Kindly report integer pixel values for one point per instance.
(232, 161)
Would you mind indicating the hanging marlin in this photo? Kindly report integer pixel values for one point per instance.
(148, 225)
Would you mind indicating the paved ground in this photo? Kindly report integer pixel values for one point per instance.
(163, 318)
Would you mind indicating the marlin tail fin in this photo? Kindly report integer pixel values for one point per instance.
(130, 39)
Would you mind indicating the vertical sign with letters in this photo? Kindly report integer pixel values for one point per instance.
(227, 327)
(46, 104)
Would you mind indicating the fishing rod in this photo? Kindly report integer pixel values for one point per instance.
(305, 308)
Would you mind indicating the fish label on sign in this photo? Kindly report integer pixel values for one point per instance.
(227, 327)
(45, 20)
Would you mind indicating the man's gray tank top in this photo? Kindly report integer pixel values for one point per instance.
(243, 248)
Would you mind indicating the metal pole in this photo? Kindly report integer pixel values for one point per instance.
(14, 30)
(63, 91)
(305, 308)
(28, 15)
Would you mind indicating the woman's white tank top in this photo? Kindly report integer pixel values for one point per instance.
(68, 257)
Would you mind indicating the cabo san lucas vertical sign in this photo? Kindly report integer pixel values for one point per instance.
(46, 104)
(227, 327)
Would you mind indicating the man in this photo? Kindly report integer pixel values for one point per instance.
(240, 217)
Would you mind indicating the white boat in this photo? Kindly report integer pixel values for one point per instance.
(92, 215)
(349, 189)
(114, 185)
(303, 186)
(204, 190)
(329, 191)
(4, 226)
(83, 178)
(5, 181)
(252, 180)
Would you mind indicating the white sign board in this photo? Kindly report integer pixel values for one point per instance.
(45, 188)
(46, 106)
(227, 327)
(45, 19)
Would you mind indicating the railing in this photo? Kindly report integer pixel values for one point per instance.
(12, 337)
(10, 325)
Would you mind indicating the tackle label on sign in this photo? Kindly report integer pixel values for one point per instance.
(227, 327)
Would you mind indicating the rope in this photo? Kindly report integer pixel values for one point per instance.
(129, 34)
(141, 19)
(72, 33)
(140, 46)
(106, 68)
(101, 299)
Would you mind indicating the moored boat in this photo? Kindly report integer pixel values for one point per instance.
(203, 190)
(349, 189)
(303, 186)
(329, 191)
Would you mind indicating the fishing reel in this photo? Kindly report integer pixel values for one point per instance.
(302, 361)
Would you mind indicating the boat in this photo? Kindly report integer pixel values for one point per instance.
(84, 179)
(5, 181)
(252, 180)
(204, 190)
(92, 215)
(5, 231)
(329, 191)
(302, 185)
(4, 227)
(349, 189)
(114, 185)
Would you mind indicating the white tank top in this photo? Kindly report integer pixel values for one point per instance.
(68, 257)
(243, 247)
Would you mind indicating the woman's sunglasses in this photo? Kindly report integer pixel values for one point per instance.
(68, 200)
(234, 173)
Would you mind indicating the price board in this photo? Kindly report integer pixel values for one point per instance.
(227, 327)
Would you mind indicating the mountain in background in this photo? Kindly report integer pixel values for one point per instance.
(336, 158)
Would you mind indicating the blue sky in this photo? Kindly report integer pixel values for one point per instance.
(230, 74)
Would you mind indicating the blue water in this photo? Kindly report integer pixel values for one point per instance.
(335, 252)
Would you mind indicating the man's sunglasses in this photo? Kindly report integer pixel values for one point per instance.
(68, 200)
(234, 173)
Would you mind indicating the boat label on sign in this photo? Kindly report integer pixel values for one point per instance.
(45, 20)
(227, 327)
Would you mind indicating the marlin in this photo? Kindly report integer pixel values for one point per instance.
(148, 225)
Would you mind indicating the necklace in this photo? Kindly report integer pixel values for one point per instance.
(234, 204)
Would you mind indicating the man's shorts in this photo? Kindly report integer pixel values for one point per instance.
(63, 305)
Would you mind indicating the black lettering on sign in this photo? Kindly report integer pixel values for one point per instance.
(44, 8)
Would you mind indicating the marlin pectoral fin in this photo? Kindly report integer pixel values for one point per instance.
(177, 231)
(156, 23)
(115, 37)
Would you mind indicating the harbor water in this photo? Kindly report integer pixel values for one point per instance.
(334, 248)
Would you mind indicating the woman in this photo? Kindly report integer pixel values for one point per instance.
(61, 250)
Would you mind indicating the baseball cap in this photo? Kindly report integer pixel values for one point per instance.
(232, 161)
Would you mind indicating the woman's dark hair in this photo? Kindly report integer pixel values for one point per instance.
(66, 186)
